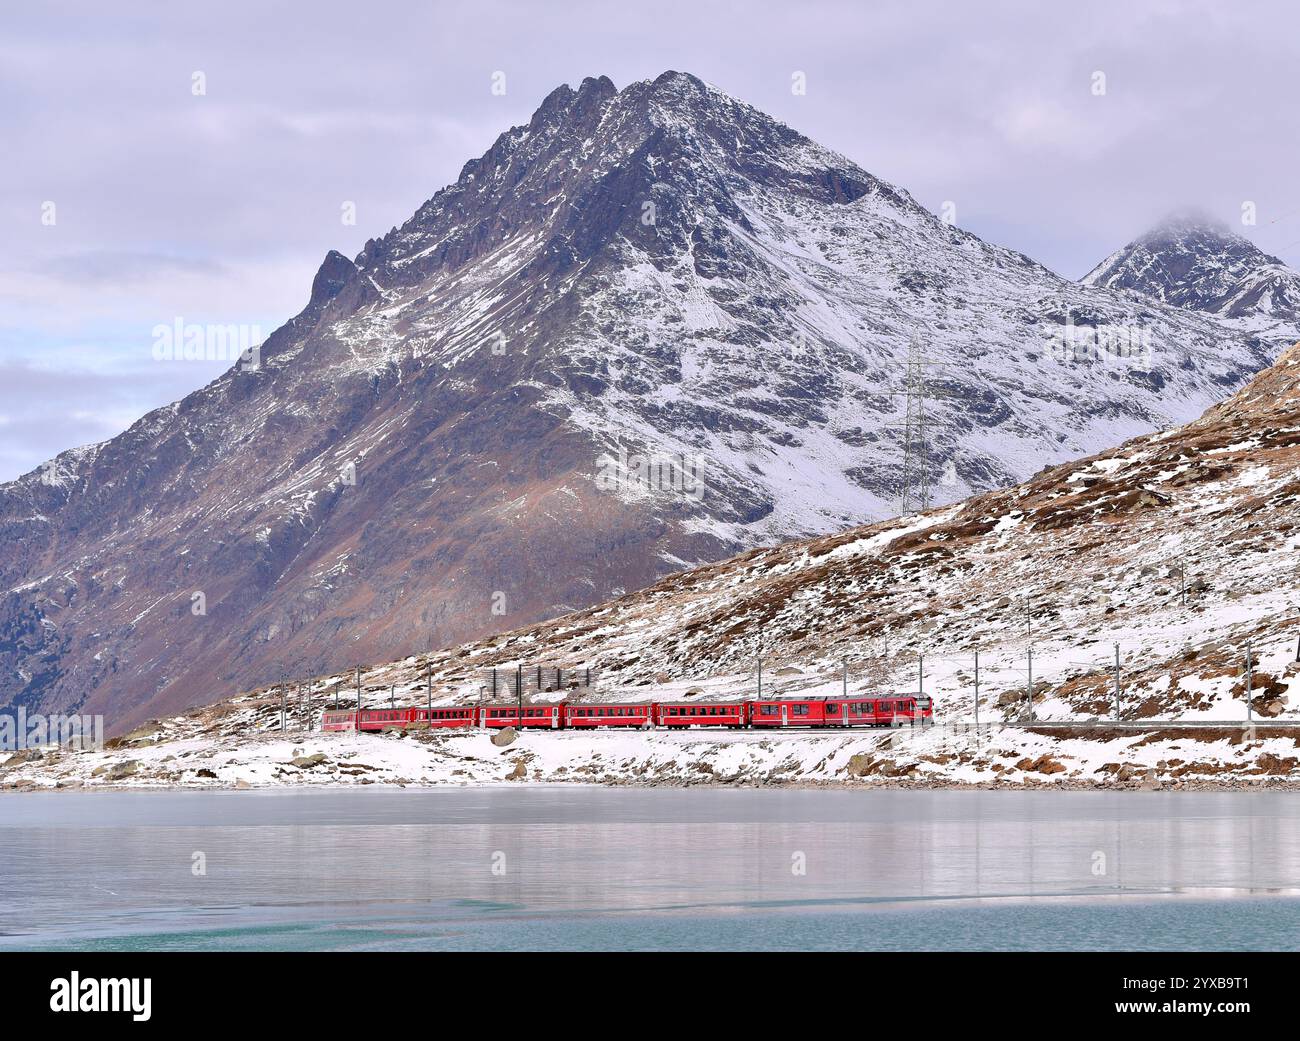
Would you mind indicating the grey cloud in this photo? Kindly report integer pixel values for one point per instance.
(122, 269)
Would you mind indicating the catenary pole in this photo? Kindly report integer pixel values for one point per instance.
(1249, 682)
(1029, 690)
(1117, 683)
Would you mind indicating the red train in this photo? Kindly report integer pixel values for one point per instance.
(877, 711)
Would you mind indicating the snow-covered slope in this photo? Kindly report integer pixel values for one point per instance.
(649, 329)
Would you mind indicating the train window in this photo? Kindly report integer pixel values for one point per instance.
(832, 710)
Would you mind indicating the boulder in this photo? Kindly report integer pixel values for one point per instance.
(116, 771)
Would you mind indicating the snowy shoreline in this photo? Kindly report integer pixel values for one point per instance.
(950, 757)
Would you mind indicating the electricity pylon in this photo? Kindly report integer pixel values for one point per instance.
(915, 494)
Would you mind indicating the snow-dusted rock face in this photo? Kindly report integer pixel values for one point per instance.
(1195, 262)
(649, 329)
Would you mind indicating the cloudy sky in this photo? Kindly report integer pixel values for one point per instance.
(217, 207)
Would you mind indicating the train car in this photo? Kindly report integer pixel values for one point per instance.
(831, 712)
(339, 719)
(441, 718)
(917, 709)
(802, 712)
(581, 717)
(549, 717)
(895, 710)
(703, 714)
(384, 718)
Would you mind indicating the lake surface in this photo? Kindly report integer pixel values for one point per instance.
(583, 868)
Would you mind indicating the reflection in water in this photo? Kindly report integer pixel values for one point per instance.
(393, 868)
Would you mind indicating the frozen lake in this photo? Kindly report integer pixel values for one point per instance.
(557, 867)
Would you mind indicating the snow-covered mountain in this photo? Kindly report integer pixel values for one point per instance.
(1196, 262)
(649, 329)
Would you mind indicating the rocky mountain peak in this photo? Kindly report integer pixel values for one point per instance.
(331, 276)
(1193, 260)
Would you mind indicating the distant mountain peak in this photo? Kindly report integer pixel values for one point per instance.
(1194, 260)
